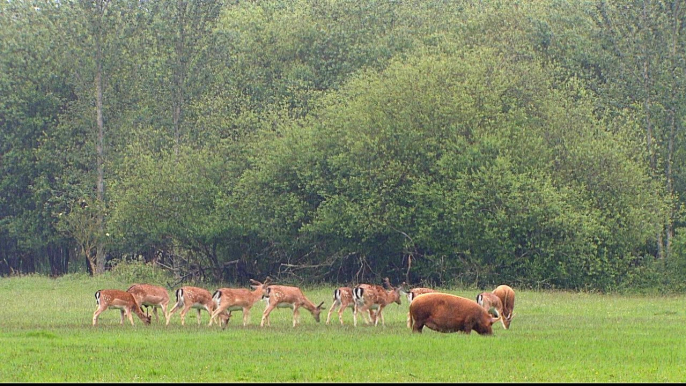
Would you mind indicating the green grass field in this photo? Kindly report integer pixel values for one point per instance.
(46, 336)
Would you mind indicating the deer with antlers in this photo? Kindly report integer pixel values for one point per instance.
(238, 299)
(343, 298)
(488, 300)
(281, 296)
(198, 298)
(121, 300)
(371, 296)
(148, 295)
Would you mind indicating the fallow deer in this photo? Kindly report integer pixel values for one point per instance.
(413, 293)
(343, 298)
(121, 300)
(194, 297)
(238, 299)
(488, 300)
(450, 313)
(149, 295)
(282, 296)
(507, 297)
(371, 296)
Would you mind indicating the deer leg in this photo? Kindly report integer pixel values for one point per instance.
(368, 316)
(174, 309)
(265, 315)
(341, 310)
(200, 317)
(164, 310)
(296, 315)
(128, 315)
(328, 316)
(96, 314)
(183, 315)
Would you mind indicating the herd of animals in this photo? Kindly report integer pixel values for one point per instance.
(438, 311)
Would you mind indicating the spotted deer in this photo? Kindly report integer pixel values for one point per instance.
(238, 299)
(198, 298)
(148, 295)
(372, 296)
(487, 300)
(413, 293)
(121, 300)
(343, 298)
(282, 296)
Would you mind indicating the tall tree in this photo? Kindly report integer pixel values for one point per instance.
(645, 71)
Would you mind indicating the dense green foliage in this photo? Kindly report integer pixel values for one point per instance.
(555, 336)
(537, 143)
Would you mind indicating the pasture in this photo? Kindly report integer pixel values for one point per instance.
(46, 336)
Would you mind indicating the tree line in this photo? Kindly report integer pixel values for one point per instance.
(537, 143)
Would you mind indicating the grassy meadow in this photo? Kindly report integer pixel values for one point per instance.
(46, 336)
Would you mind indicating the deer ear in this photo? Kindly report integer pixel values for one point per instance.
(320, 305)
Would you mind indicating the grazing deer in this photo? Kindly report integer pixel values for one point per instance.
(413, 293)
(121, 300)
(194, 297)
(282, 296)
(370, 296)
(488, 300)
(507, 297)
(343, 298)
(151, 296)
(450, 313)
(238, 299)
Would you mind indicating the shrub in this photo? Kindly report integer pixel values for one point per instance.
(137, 271)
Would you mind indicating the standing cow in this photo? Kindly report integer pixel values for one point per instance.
(450, 313)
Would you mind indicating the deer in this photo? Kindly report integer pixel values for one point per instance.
(451, 313)
(121, 300)
(507, 297)
(149, 295)
(343, 298)
(194, 297)
(235, 299)
(413, 293)
(371, 296)
(282, 296)
(487, 300)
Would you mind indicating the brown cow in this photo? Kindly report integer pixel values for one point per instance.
(450, 313)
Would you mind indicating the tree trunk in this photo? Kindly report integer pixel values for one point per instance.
(179, 73)
(100, 250)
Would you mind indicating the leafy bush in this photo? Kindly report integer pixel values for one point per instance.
(137, 271)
